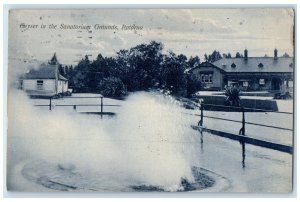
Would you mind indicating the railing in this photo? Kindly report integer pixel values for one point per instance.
(101, 105)
(241, 136)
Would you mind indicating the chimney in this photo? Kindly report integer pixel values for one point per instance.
(275, 54)
(245, 54)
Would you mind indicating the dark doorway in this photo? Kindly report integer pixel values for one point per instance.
(276, 84)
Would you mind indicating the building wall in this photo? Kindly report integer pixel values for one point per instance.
(253, 82)
(59, 86)
(30, 86)
(217, 81)
(266, 86)
(247, 81)
(256, 86)
(271, 81)
(62, 86)
(65, 86)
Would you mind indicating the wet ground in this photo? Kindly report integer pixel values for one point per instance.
(69, 178)
(257, 170)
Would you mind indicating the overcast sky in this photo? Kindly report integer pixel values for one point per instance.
(188, 31)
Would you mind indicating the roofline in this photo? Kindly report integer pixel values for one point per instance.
(37, 79)
(252, 57)
(65, 79)
(198, 66)
(56, 77)
(261, 72)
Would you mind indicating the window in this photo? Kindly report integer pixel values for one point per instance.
(202, 78)
(210, 78)
(40, 84)
(207, 78)
(261, 81)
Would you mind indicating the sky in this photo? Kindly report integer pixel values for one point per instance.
(192, 32)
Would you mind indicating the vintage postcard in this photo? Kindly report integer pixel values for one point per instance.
(151, 100)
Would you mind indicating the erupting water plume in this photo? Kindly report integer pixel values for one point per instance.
(148, 143)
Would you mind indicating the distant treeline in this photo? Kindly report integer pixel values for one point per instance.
(142, 67)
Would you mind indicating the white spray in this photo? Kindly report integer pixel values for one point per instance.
(148, 142)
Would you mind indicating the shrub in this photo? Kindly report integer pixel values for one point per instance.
(193, 85)
(112, 87)
(232, 96)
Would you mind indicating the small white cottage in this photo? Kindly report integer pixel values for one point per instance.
(45, 81)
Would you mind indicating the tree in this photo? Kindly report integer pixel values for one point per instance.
(226, 55)
(193, 84)
(101, 68)
(285, 55)
(194, 61)
(173, 73)
(238, 55)
(70, 75)
(53, 60)
(66, 70)
(112, 87)
(206, 57)
(61, 69)
(216, 55)
(70, 71)
(232, 96)
(141, 66)
(81, 77)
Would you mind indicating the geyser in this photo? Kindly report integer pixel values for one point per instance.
(148, 143)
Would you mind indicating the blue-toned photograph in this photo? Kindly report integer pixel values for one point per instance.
(151, 100)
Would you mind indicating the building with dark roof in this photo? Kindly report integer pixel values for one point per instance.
(249, 73)
(44, 81)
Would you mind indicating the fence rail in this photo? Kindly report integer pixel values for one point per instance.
(246, 108)
(246, 122)
(249, 140)
(101, 105)
(241, 136)
(62, 105)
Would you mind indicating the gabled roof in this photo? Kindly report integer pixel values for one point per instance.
(207, 64)
(46, 71)
(60, 77)
(256, 64)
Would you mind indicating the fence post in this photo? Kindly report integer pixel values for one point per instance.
(50, 104)
(242, 130)
(101, 106)
(74, 107)
(200, 123)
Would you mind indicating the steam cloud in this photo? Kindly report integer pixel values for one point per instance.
(148, 142)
